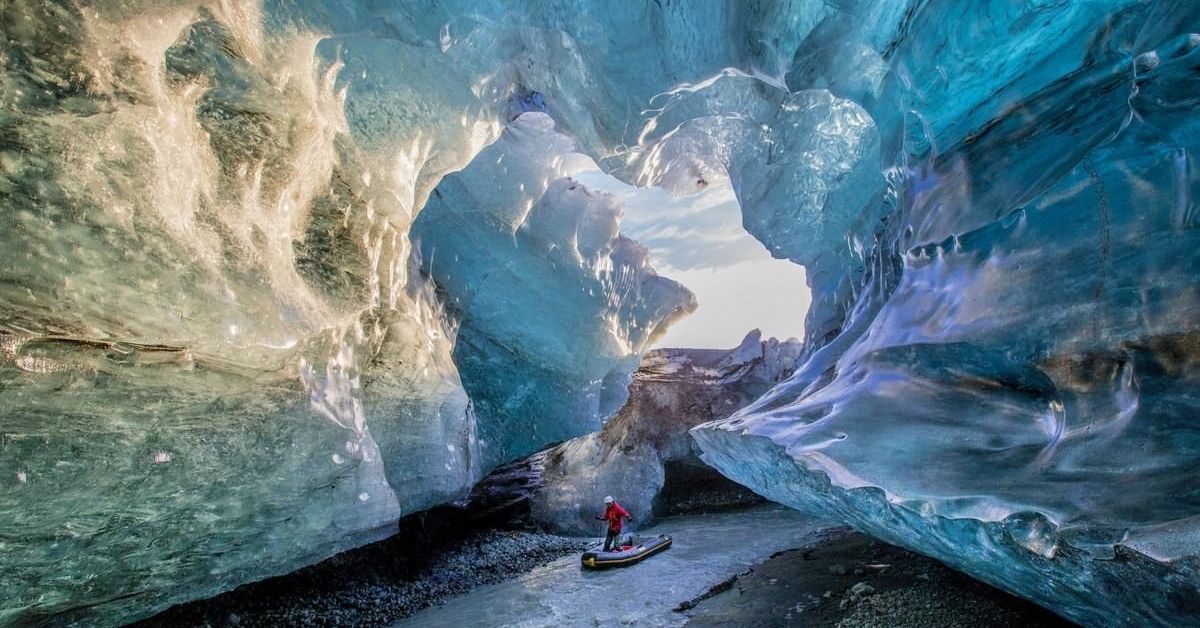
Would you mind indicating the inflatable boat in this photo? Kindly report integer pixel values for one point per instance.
(633, 550)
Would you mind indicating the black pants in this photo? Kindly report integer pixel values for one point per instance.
(612, 541)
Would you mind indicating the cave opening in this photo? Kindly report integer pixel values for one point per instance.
(698, 240)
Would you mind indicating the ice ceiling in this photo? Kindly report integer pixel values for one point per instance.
(272, 274)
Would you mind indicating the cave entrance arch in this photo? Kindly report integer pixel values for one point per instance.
(698, 240)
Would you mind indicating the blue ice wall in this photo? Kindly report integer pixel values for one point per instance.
(1012, 387)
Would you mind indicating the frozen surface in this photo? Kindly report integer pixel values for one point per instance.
(705, 550)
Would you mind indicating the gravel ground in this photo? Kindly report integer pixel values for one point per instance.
(446, 551)
(849, 580)
(845, 580)
(374, 585)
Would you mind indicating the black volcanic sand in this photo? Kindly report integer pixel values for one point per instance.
(849, 580)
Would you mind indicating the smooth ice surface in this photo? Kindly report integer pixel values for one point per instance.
(706, 550)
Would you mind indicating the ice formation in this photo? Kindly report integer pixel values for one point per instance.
(217, 362)
(554, 306)
(1008, 381)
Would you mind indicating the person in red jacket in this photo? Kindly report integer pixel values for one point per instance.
(613, 514)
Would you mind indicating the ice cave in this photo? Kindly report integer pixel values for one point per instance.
(284, 281)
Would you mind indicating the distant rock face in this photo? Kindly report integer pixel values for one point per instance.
(673, 391)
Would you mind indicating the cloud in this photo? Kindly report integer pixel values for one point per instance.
(699, 241)
(766, 293)
(699, 231)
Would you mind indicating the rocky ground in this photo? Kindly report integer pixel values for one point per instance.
(849, 580)
(377, 584)
(845, 580)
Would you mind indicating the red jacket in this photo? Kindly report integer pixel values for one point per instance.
(613, 514)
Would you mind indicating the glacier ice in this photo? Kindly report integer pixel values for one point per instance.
(221, 360)
(209, 344)
(218, 359)
(1009, 385)
(553, 306)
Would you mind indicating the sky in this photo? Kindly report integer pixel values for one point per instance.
(698, 240)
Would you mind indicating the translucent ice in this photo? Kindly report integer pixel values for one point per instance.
(1008, 386)
(213, 365)
(554, 305)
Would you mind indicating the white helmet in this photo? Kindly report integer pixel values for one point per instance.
(608, 500)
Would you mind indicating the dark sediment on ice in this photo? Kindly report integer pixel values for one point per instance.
(848, 580)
